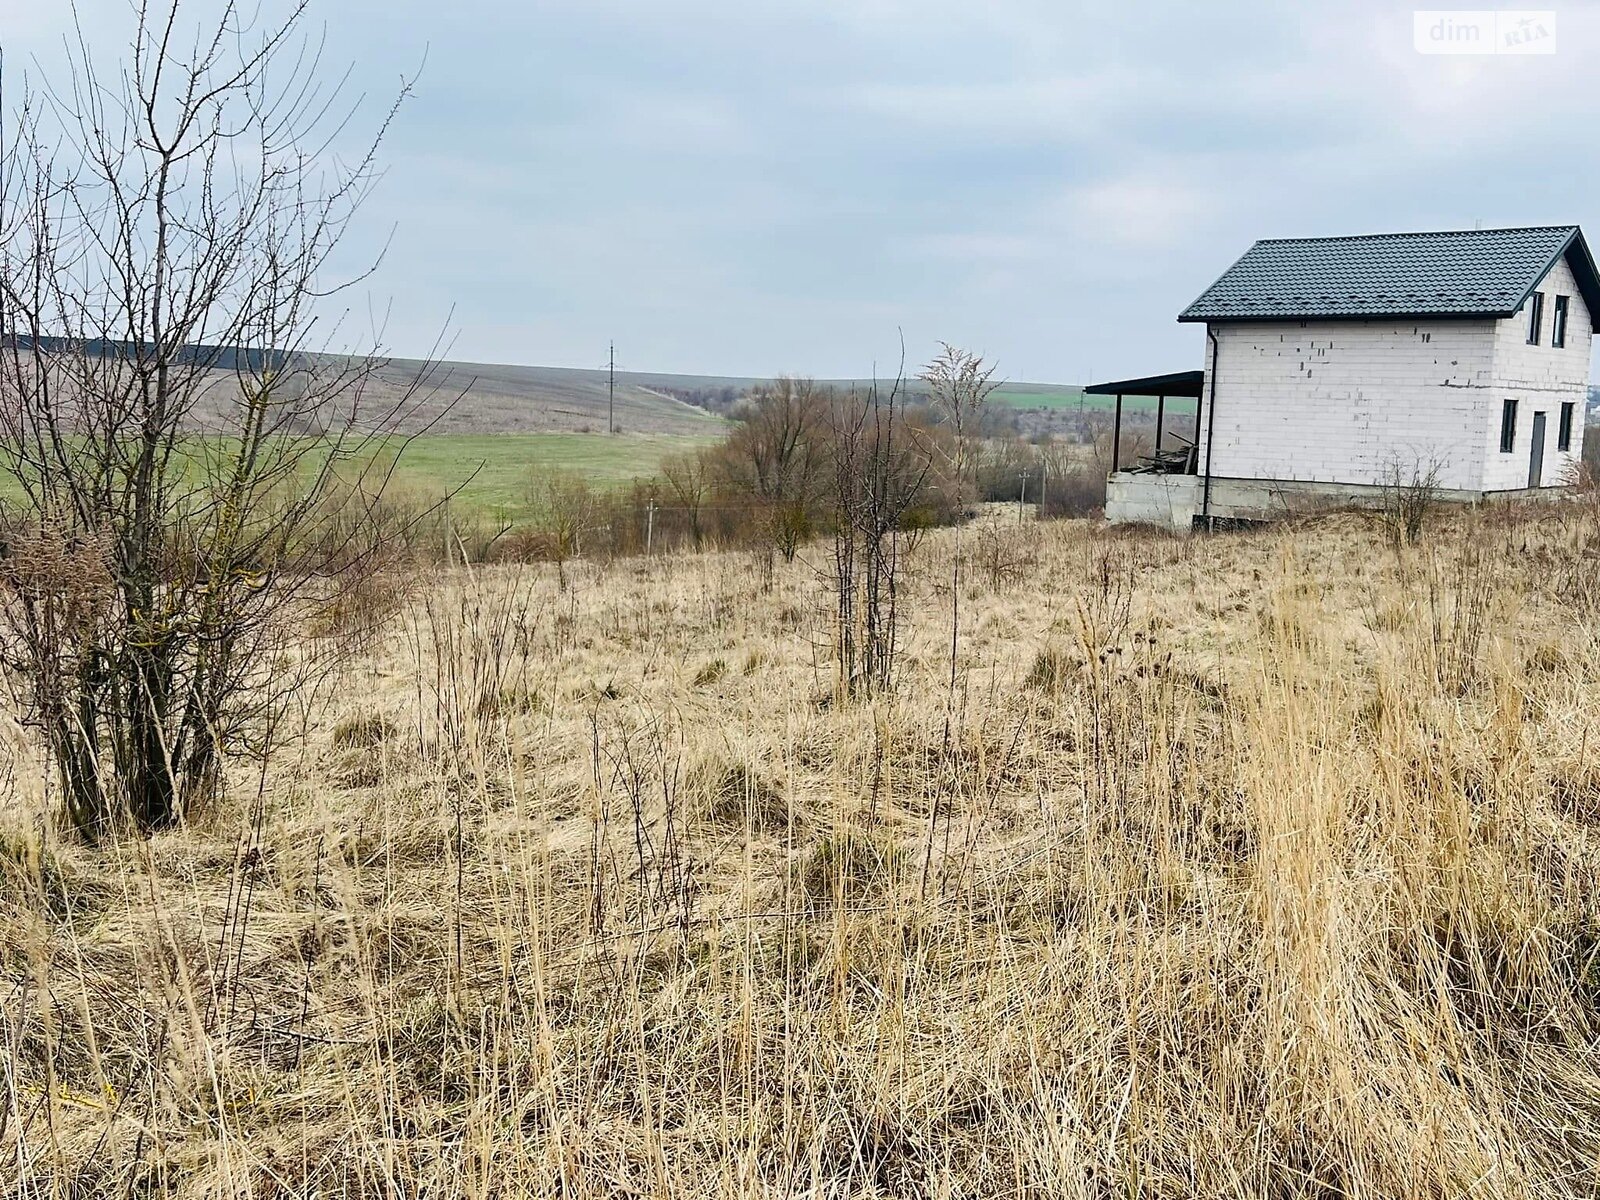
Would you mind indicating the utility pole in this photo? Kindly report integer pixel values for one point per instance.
(611, 392)
(1022, 496)
(650, 527)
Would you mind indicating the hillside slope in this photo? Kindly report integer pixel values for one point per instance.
(467, 398)
(500, 398)
(470, 398)
(479, 398)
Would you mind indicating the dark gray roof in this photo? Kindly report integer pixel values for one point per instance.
(1459, 273)
(1177, 383)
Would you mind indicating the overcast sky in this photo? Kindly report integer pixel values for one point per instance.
(756, 186)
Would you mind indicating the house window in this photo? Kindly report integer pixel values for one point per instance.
(1535, 318)
(1508, 427)
(1564, 434)
(1558, 324)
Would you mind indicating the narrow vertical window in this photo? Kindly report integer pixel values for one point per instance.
(1535, 318)
(1558, 323)
(1564, 433)
(1508, 427)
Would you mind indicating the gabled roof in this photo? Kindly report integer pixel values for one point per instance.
(1458, 273)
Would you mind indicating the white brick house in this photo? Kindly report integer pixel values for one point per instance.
(1337, 365)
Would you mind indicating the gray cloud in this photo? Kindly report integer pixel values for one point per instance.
(764, 186)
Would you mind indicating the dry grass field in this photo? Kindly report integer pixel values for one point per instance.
(1259, 865)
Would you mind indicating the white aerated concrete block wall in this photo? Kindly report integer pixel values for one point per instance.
(1350, 401)
(1541, 378)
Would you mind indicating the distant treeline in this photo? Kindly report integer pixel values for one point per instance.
(1040, 426)
(789, 471)
(220, 358)
(719, 400)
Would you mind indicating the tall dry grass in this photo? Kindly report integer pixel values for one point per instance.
(1258, 865)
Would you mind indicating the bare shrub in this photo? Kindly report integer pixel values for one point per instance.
(1074, 484)
(169, 236)
(960, 385)
(566, 510)
(776, 459)
(1409, 497)
(880, 463)
(1077, 492)
(688, 480)
(1005, 552)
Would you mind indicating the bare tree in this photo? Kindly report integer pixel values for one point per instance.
(959, 386)
(174, 404)
(566, 509)
(778, 457)
(880, 465)
(688, 479)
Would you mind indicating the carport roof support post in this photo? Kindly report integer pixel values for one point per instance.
(1116, 438)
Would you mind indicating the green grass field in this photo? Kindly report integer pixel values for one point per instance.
(1058, 398)
(1026, 396)
(491, 473)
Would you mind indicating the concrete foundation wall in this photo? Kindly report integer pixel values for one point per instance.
(1170, 501)
(1271, 499)
(1174, 501)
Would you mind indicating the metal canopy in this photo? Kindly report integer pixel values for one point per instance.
(1178, 383)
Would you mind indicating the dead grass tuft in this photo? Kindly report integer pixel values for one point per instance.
(851, 867)
(362, 730)
(37, 878)
(1051, 671)
(712, 672)
(740, 796)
